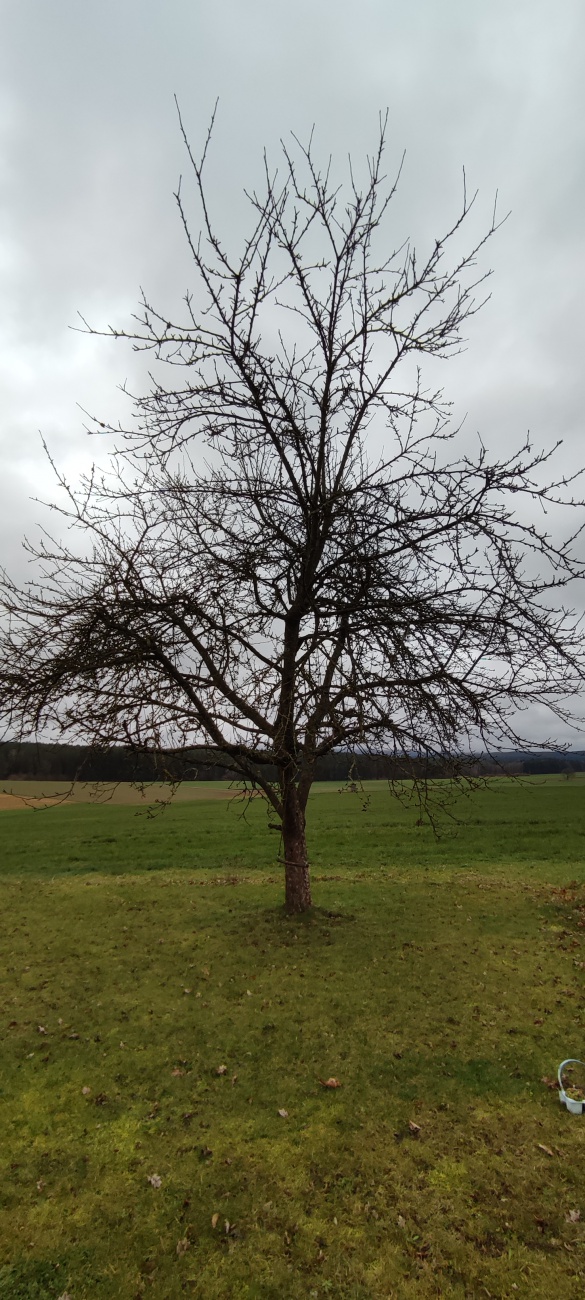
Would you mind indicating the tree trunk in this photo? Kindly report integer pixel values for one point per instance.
(296, 866)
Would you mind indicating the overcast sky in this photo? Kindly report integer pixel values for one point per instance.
(91, 154)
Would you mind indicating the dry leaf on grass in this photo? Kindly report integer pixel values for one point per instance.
(547, 1150)
(414, 1128)
(86, 1091)
(283, 1113)
(177, 1072)
(549, 1082)
(41, 1029)
(573, 1216)
(221, 1069)
(401, 1221)
(214, 1220)
(155, 1180)
(183, 1245)
(330, 1083)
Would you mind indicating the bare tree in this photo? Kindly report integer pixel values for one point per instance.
(298, 590)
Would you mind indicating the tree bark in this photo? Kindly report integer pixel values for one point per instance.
(296, 865)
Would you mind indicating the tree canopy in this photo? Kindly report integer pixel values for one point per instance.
(289, 555)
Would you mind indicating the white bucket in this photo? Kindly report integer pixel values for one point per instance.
(573, 1105)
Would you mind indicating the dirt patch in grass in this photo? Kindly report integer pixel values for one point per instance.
(20, 794)
(13, 801)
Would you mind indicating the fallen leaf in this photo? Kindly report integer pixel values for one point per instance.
(549, 1082)
(183, 1245)
(234, 1079)
(206, 971)
(206, 1153)
(155, 1180)
(283, 1113)
(214, 1220)
(221, 1069)
(226, 1225)
(86, 1091)
(177, 1072)
(101, 1099)
(249, 993)
(65, 1296)
(330, 1083)
(414, 1128)
(40, 1185)
(539, 1021)
(573, 1216)
(41, 1029)
(547, 1150)
(401, 1221)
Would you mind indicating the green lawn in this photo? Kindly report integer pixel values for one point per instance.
(437, 980)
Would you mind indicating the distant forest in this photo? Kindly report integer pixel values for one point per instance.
(31, 761)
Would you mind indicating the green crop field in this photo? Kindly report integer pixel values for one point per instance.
(167, 1033)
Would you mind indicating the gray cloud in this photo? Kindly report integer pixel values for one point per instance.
(91, 154)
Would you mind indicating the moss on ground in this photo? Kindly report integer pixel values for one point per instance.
(438, 982)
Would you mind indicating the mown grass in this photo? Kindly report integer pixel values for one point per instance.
(437, 980)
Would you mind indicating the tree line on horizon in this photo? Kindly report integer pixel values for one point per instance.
(22, 760)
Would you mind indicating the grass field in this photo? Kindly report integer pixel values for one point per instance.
(438, 981)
